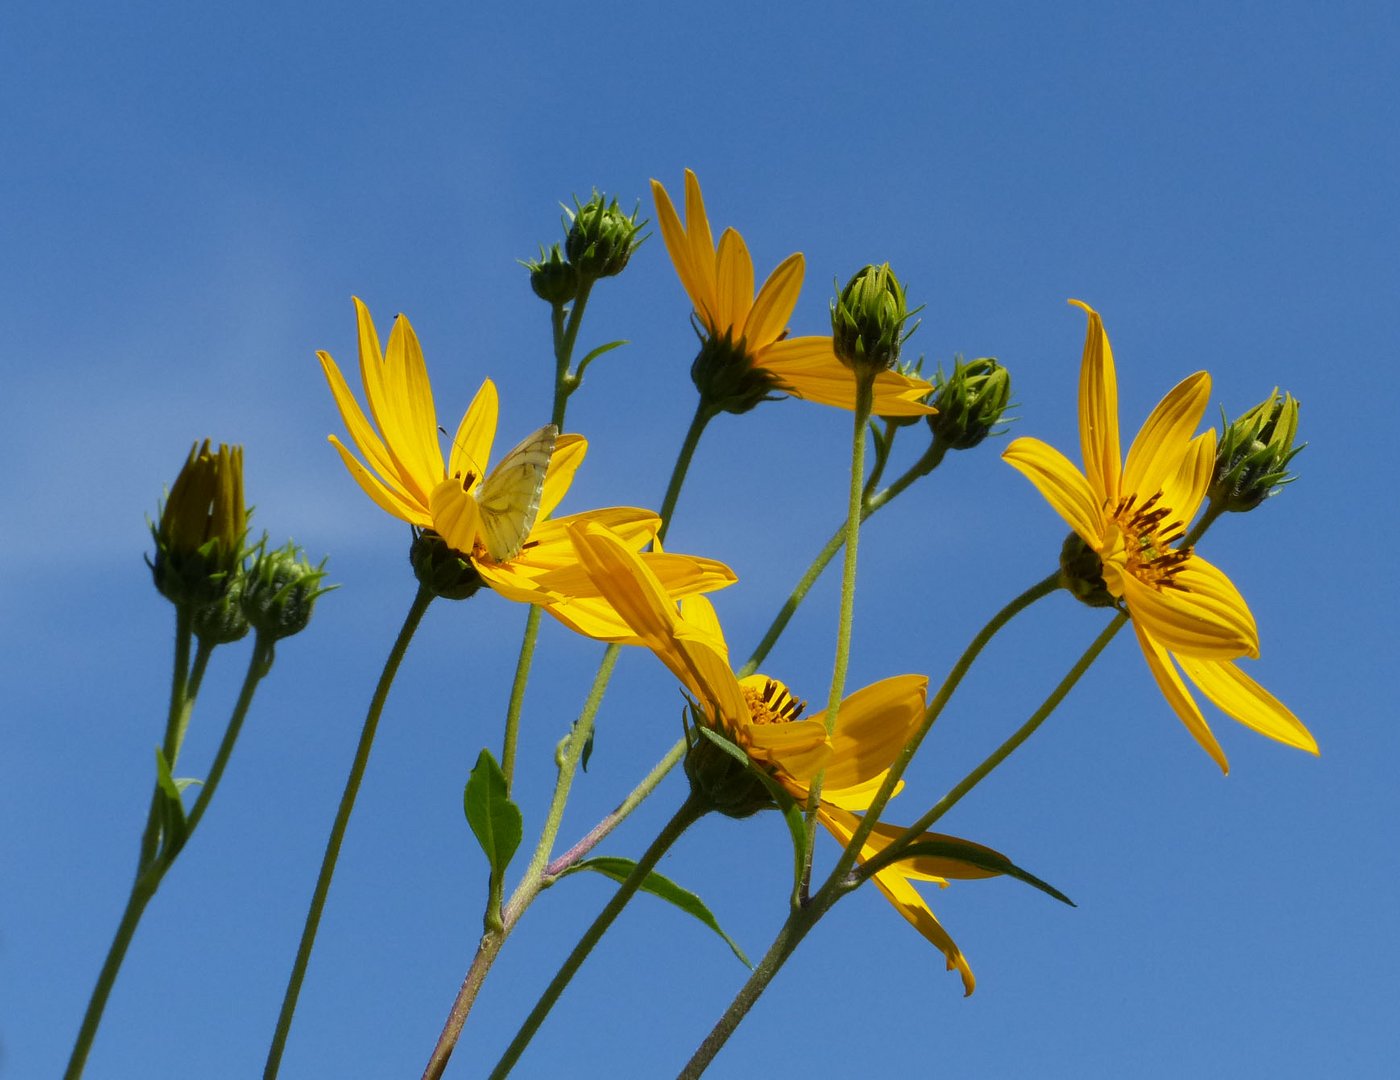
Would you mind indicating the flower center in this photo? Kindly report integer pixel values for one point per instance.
(774, 704)
(1147, 533)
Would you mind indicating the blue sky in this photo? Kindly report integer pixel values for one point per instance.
(190, 197)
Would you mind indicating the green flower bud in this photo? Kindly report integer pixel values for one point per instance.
(867, 320)
(1251, 461)
(970, 402)
(726, 784)
(440, 569)
(199, 540)
(601, 237)
(1081, 572)
(553, 278)
(280, 590)
(222, 622)
(724, 374)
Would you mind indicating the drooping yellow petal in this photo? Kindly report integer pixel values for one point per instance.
(733, 284)
(807, 368)
(1065, 488)
(798, 748)
(1155, 458)
(911, 905)
(1098, 410)
(385, 497)
(775, 303)
(1239, 696)
(1178, 697)
(697, 611)
(872, 726)
(920, 868)
(1206, 616)
(471, 446)
(361, 431)
(569, 452)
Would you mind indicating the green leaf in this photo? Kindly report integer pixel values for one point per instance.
(983, 858)
(494, 819)
(172, 809)
(620, 869)
(792, 813)
(599, 351)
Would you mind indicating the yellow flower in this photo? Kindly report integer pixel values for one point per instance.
(761, 715)
(407, 477)
(720, 281)
(1186, 613)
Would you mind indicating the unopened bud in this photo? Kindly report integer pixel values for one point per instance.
(970, 402)
(199, 540)
(1251, 461)
(867, 320)
(553, 278)
(280, 590)
(601, 237)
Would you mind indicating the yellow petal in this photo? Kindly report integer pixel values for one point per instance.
(807, 368)
(872, 726)
(361, 431)
(733, 283)
(700, 241)
(911, 905)
(1155, 459)
(699, 614)
(1098, 410)
(1206, 616)
(678, 245)
(569, 452)
(901, 395)
(455, 516)
(1185, 492)
(471, 446)
(1065, 488)
(1178, 697)
(798, 749)
(410, 397)
(1236, 694)
(775, 302)
(631, 524)
(386, 498)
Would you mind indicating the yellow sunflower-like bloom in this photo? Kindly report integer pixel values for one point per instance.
(720, 282)
(407, 477)
(1186, 613)
(761, 715)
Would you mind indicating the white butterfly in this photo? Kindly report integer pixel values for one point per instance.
(509, 499)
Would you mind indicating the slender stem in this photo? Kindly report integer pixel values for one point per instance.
(517, 694)
(869, 504)
(202, 653)
(865, 396)
(704, 413)
(1005, 750)
(342, 819)
(179, 682)
(690, 811)
(565, 382)
(1204, 522)
(1047, 585)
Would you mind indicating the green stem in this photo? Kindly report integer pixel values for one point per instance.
(690, 811)
(1005, 750)
(517, 694)
(177, 708)
(869, 504)
(1047, 585)
(342, 819)
(865, 396)
(565, 381)
(704, 413)
(153, 871)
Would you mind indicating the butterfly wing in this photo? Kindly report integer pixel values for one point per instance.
(509, 499)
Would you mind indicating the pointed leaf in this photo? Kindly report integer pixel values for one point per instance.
(984, 859)
(494, 819)
(599, 351)
(172, 809)
(620, 869)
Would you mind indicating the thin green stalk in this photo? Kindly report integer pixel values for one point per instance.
(865, 396)
(517, 694)
(175, 710)
(869, 504)
(153, 872)
(565, 381)
(690, 811)
(342, 818)
(1006, 749)
(704, 413)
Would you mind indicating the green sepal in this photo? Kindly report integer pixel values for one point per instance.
(495, 821)
(173, 826)
(982, 858)
(621, 869)
(786, 804)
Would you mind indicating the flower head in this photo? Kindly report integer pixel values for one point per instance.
(498, 521)
(199, 539)
(747, 353)
(766, 720)
(1130, 515)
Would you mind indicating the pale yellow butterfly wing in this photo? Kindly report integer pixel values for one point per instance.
(509, 498)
